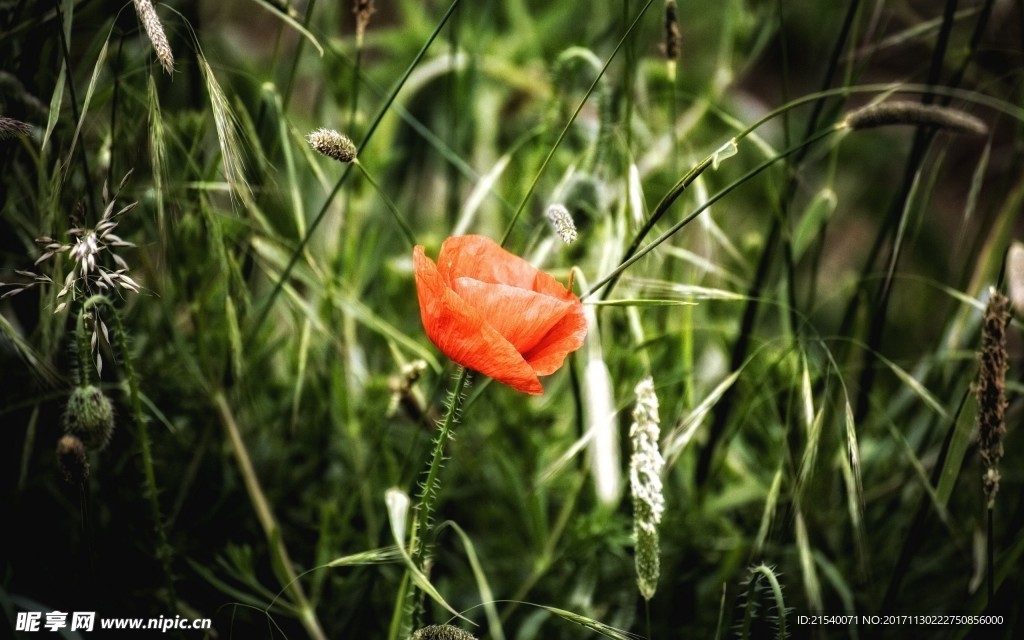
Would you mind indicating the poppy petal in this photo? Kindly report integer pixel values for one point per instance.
(462, 334)
(523, 317)
(568, 335)
(483, 259)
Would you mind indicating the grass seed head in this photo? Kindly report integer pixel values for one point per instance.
(363, 9)
(645, 465)
(991, 391)
(332, 144)
(89, 415)
(561, 221)
(898, 112)
(11, 128)
(155, 31)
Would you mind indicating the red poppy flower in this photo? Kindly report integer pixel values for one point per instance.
(494, 312)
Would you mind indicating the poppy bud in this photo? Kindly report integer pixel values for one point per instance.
(89, 415)
(441, 632)
(72, 461)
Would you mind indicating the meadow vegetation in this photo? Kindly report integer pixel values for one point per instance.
(210, 314)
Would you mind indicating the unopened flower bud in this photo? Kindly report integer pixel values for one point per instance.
(89, 416)
(71, 460)
(441, 632)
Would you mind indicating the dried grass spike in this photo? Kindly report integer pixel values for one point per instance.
(899, 112)
(991, 391)
(11, 128)
(155, 31)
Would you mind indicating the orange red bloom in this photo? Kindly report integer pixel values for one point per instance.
(494, 312)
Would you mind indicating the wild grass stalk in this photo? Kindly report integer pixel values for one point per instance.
(281, 560)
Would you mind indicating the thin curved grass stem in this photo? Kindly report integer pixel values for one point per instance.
(268, 522)
(612, 278)
(568, 125)
(325, 207)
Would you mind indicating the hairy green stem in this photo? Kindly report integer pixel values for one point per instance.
(429, 490)
(164, 550)
(82, 350)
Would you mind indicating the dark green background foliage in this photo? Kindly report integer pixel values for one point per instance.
(825, 369)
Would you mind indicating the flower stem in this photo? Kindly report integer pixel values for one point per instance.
(164, 550)
(429, 490)
(82, 349)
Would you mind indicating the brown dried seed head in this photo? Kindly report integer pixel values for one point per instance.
(11, 128)
(671, 31)
(991, 391)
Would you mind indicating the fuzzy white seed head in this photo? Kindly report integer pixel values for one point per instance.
(561, 221)
(645, 466)
(332, 144)
(155, 31)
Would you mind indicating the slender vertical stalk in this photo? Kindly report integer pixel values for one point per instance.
(86, 173)
(991, 557)
(286, 95)
(264, 513)
(723, 409)
(325, 207)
